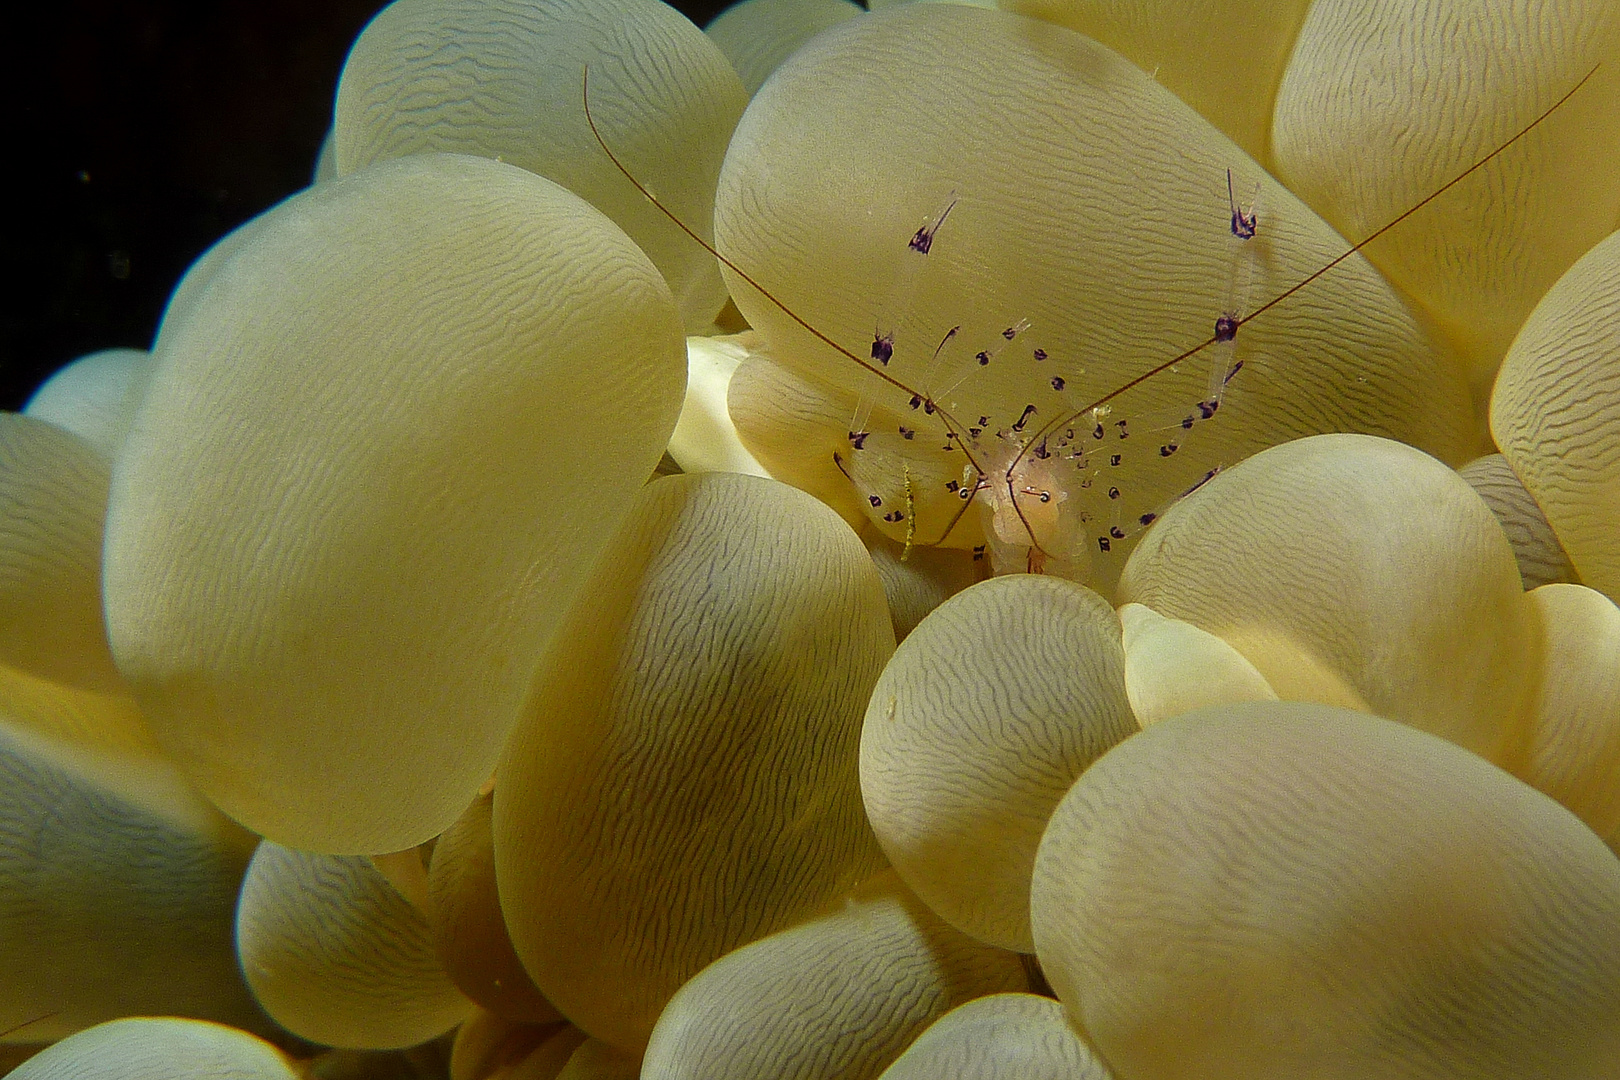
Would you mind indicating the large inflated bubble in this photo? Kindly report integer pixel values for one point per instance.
(685, 779)
(338, 956)
(1000, 1037)
(158, 1048)
(503, 80)
(357, 498)
(1279, 889)
(1354, 571)
(118, 889)
(981, 721)
(1555, 412)
(835, 998)
(1077, 224)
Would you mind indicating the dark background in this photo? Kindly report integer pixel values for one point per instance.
(142, 131)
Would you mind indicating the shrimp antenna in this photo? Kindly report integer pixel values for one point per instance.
(1225, 333)
(29, 1023)
(945, 417)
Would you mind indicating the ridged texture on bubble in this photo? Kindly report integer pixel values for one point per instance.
(337, 956)
(1556, 411)
(95, 396)
(983, 718)
(1089, 201)
(757, 35)
(1385, 101)
(918, 581)
(1541, 558)
(685, 778)
(1000, 1037)
(1354, 571)
(99, 722)
(194, 282)
(503, 79)
(158, 1048)
(53, 498)
(469, 931)
(1278, 890)
(1575, 726)
(838, 997)
(597, 1060)
(118, 889)
(359, 495)
(1222, 57)
(1172, 667)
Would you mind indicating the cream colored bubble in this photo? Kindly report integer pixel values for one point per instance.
(1222, 57)
(1084, 199)
(1000, 1037)
(917, 581)
(1445, 83)
(839, 996)
(1541, 558)
(684, 780)
(1356, 571)
(597, 1060)
(705, 440)
(981, 721)
(335, 549)
(1555, 412)
(1574, 729)
(337, 956)
(757, 35)
(1172, 667)
(53, 499)
(158, 1048)
(95, 396)
(502, 80)
(1278, 889)
(118, 889)
(469, 931)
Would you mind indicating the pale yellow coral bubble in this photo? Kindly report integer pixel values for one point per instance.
(1277, 890)
(917, 581)
(1222, 57)
(1172, 667)
(1000, 1037)
(705, 440)
(685, 777)
(1385, 101)
(357, 498)
(1541, 558)
(469, 930)
(1085, 199)
(757, 35)
(158, 1048)
(1555, 412)
(981, 721)
(1574, 730)
(53, 499)
(95, 396)
(597, 1060)
(835, 998)
(337, 956)
(109, 722)
(118, 887)
(1353, 570)
(502, 79)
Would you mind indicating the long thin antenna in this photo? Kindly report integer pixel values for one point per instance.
(945, 417)
(28, 1023)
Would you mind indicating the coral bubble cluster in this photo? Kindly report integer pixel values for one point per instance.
(549, 603)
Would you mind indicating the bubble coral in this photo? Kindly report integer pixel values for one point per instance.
(1000, 1037)
(158, 1048)
(95, 396)
(338, 956)
(840, 995)
(684, 779)
(1278, 889)
(332, 553)
(501, 80)
(985, 715)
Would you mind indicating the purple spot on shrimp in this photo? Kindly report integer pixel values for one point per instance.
(1113, 493)
(915, 401)
(1148, 519)
(1116, 532)
(857, 439)
(907, 433)
(882, 348)
(1226, 327)
(1040, 354)
(1102, 542)
(1057, 382)
(1168, 449)
(874, 500)
(983, 358)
